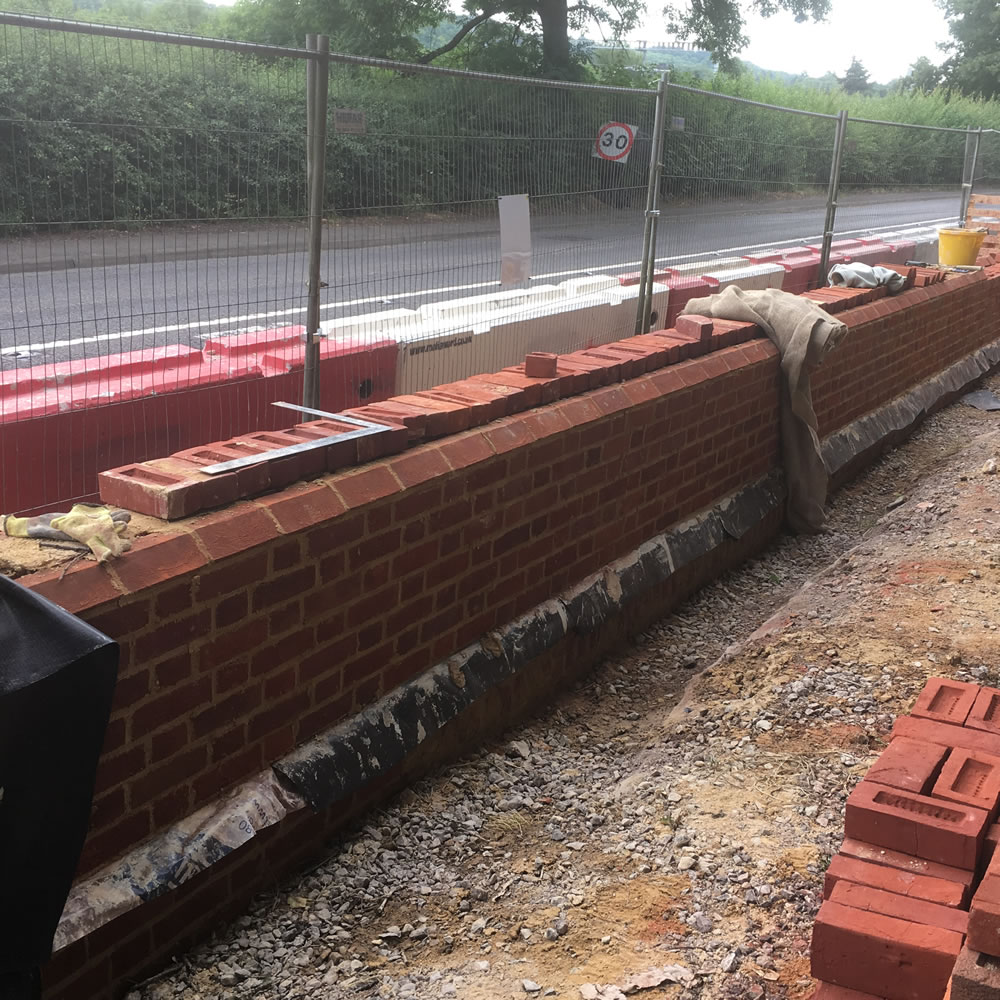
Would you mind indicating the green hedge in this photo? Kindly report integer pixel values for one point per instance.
(97, 131)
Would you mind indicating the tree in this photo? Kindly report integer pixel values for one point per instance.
(539, 31)
(718, 25)
(552, 21)
(715, 25)
(974, 64)
(383, 28)
(855, 80)
(923, 77)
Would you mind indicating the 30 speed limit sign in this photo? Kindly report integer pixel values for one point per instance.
(614, 141)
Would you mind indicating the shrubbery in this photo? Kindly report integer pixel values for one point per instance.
(97, 131)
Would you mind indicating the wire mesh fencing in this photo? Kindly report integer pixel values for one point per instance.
(154, 198)
(741, 177)
(987, 175)
(900, 177)
(461, 206)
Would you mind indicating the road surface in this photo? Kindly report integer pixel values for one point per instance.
(79, 296)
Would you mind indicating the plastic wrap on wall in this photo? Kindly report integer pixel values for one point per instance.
(170, 859)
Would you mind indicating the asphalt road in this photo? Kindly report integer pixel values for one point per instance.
(92, 294)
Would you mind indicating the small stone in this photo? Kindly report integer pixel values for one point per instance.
(990, 467)
(764, 725)
(525, 934)
(550, 934)
(730, 962)
(530, 986)
(898, 502)
(606, 939)
(686, 863)
(522, 750)
(561, 926)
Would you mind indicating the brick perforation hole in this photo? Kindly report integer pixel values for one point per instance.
(923, 808)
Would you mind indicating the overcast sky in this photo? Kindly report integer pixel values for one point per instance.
(886, 35)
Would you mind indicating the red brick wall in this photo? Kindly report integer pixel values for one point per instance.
(246, 631)
(249, 630)
(895, 344)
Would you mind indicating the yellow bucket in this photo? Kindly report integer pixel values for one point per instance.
(959, 247)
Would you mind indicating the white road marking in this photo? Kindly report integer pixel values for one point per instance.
(237, 321)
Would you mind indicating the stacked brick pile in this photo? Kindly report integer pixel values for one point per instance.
(911, 905)
(989, 252)
(984, 210)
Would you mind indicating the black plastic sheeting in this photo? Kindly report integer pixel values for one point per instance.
(57, 678)
(343, 760)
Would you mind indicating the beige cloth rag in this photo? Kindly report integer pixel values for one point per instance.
(804, 334)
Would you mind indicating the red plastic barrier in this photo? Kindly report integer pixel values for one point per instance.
(898, 251)
(64, 423)
(871, 254)
(843, 247)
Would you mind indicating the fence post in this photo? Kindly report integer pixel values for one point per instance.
(317, 83)
(645, 302)
(831, 195)
(972, 141)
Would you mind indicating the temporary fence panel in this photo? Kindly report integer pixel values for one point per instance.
(729, 163)
(901, 177)
(419, 162)
(987, 179)
(155, 240)
(154, 195)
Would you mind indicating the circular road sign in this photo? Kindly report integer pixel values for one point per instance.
(614, 141)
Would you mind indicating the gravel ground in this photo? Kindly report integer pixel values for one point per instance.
(663, 828)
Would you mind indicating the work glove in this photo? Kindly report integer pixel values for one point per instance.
(100, 529)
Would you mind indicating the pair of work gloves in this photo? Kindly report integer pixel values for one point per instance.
(99, 529)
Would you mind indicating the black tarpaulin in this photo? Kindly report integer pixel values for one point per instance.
(57, 678)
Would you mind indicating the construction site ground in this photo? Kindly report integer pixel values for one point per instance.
(662, 829)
